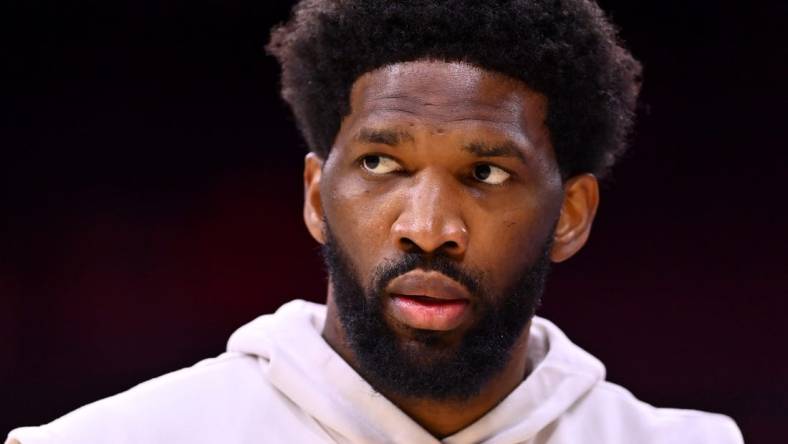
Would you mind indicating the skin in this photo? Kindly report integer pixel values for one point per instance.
(436, 123)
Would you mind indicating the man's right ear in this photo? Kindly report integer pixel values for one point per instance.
(313, 205)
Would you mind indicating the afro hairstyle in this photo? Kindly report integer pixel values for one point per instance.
(564, 49)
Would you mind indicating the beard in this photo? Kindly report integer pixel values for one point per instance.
(423, 365)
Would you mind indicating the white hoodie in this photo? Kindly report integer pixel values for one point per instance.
(280, 382)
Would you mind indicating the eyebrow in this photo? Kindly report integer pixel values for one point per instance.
(504, 149)
(394, 137)
(389, 137)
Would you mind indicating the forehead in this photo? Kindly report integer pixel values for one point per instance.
(447, 95)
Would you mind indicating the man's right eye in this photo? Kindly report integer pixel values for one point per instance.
(377, 164)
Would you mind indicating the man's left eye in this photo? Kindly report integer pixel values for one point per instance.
(490, 174)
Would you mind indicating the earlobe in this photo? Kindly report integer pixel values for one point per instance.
(313, 206)
(581, 199)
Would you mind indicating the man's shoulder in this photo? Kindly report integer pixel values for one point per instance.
(618, 416)
(205, 378)
(214, 392)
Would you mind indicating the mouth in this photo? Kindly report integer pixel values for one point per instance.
(428, 300)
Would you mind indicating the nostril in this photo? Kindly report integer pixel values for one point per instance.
(450, 245)
(409, 246)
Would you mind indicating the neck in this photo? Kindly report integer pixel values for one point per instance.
(444, 418)
(441, 418)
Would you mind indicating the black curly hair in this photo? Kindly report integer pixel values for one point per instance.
(564, 49)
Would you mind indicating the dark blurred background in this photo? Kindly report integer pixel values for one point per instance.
(150, 203)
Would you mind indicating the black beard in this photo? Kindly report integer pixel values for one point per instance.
(423, 366)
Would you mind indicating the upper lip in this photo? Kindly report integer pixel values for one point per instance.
(431, 284)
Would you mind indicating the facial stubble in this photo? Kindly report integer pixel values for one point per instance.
(424, 365)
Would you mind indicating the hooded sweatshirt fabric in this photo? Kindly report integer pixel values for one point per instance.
(280, 382)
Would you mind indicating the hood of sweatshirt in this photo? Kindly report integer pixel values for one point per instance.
(295, 358)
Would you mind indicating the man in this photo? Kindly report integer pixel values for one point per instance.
(455, 150)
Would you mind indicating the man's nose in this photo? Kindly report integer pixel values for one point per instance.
(431, 220)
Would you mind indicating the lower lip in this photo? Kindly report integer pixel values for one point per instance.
(429, 314)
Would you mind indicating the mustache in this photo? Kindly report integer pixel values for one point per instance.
(391, 269)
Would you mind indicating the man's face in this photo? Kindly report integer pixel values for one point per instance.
(439, 202)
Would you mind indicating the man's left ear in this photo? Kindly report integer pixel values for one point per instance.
(581, 199)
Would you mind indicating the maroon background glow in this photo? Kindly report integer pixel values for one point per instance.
(150, 193)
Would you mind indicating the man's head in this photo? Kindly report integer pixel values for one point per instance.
(564, 49)
(454, 147)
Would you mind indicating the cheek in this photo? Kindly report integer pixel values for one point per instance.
(529, 229)
(511, 241)
(360, 219)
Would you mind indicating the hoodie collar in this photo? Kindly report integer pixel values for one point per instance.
(295, 358)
